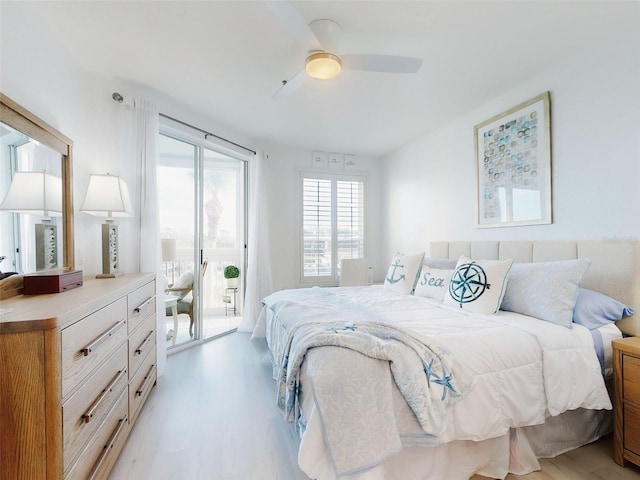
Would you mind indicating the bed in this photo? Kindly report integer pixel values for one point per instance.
(385, 382)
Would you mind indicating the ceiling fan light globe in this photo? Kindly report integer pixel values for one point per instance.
(323, 66)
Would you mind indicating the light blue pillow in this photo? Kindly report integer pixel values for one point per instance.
(545, 290)
(440, 263)
(594, 309)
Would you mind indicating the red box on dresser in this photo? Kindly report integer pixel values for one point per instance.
(52, 281)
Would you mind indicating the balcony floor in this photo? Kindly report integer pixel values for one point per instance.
(212, 325)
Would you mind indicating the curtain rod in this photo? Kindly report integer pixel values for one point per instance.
(207, 134)
(119, 98)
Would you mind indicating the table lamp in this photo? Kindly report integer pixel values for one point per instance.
(169, 254)
(108, 196)
(38, 193)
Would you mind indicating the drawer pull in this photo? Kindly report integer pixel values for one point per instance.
(102, 338)
(107, 448)
(89, 414)
(146, 381)
(142, 345)
(140, 307)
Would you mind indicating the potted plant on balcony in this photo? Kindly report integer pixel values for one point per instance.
(231, 274)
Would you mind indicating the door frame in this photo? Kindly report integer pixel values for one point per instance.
(182, 132)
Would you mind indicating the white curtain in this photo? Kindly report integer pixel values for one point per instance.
(147, 124)
(259, 283)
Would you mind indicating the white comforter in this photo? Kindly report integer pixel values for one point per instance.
(524, 369)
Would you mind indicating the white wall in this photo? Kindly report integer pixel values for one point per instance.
(38, 74)
(429, 185)
(282, 170)
(595, 108)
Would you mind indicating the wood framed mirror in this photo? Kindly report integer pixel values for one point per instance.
(14, 116)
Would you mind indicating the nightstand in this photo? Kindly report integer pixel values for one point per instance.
(626, 400)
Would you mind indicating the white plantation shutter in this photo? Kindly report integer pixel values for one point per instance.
(316, 227)
(332, 226)
(350, 219)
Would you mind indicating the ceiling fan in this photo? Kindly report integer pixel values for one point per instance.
(322, 38)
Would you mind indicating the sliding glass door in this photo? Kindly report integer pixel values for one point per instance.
(202, 225)
(223, 241)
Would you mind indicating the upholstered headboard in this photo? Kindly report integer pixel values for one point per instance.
(614, 270)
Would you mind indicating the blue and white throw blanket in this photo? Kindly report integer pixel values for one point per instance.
(424, 372)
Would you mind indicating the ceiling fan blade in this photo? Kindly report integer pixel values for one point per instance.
(290, 86)
(294, 22)
(381, 63)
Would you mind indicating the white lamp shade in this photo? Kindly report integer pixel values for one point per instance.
(168, 249)
(107, 196)
(35, 193)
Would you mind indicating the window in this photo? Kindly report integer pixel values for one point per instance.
(332, 225)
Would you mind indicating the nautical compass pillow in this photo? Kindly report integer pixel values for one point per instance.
(478, 286)
(403, 272)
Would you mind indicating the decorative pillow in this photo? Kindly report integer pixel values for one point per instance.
(440, 263)
(433, 282)
(182, 285)
(478, 285)
(594, 309)
(403, 272)
(545, 290)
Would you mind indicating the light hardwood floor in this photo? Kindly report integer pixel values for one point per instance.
(212, 416)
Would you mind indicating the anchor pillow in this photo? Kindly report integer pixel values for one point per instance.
(403, 272)
(478, 286)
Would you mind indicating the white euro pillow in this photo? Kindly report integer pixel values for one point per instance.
(545, 290)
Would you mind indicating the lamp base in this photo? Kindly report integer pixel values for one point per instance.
(110, 258)
(46, 246)
(109, 275)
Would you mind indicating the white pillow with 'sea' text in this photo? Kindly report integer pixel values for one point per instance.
(433, 283)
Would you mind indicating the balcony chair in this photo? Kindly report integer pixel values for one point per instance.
(354, 272)
(183, 289)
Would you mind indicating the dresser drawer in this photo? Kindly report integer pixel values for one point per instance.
(141, 343)
(88, 343)
(141, 384)
(96, 460)
(631, 375)
(141, 304)
(86, 409)
(632, 428)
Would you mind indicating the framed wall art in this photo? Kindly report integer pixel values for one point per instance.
(513, 166)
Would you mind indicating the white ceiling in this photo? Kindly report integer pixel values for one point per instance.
(226, 59)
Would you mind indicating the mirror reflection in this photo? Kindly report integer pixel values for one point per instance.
(30, 204)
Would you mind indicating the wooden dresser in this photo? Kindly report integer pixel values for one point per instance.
(75, 369)
(626, 400)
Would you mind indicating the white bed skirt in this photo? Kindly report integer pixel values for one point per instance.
(516, 452)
